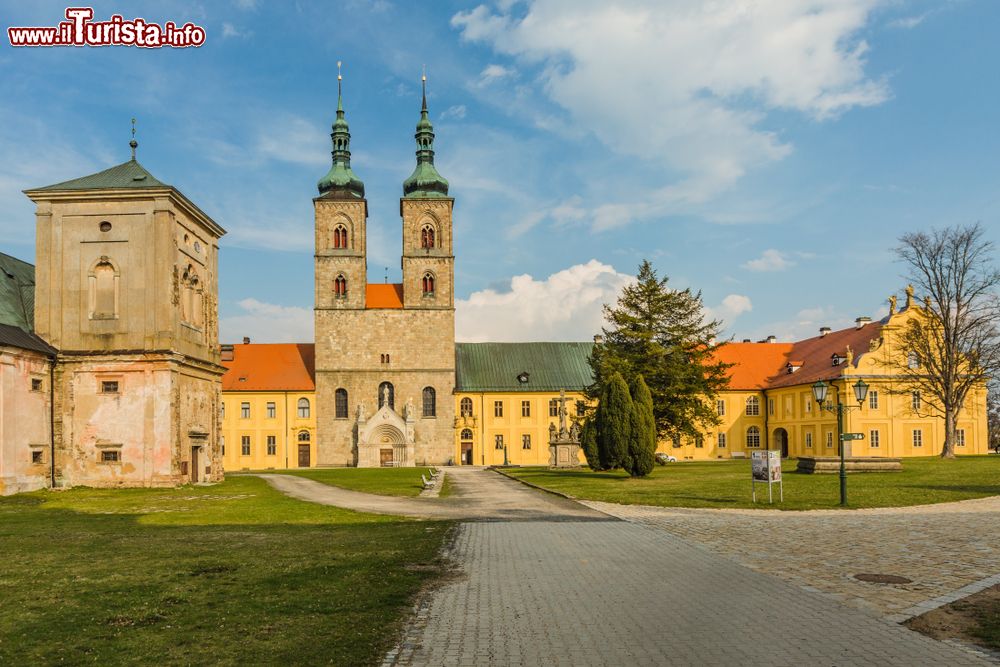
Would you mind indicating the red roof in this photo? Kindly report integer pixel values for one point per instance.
(765, 365)
(271, 367)
(384, 296)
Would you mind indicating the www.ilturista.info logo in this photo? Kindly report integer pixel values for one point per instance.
(80, 30)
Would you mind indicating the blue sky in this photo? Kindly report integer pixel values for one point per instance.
(767, 155)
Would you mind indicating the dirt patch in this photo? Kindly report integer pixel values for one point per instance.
(974, 619)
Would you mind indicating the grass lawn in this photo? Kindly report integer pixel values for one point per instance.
(230, 574)
(382, 481)
(726, 484)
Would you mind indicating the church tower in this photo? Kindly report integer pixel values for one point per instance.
(385, 353)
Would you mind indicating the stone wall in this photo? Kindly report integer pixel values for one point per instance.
(25, 420)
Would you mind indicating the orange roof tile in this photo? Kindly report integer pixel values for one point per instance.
(755, 363)
(271, 367)
(384, 296)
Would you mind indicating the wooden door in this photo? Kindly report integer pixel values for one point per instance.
(385, 458)
(466, 453)
(194, 464)
(303, 455)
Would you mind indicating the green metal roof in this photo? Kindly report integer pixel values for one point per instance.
(496, 366)
(17, 293)
(425, 182)
(129, 174)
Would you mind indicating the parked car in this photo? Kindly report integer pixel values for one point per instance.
(664, 459)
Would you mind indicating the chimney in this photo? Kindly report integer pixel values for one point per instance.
(772, 339)
(598, 339)
(228, 352)
(824, 331)
(747, 340)
(861, 322)
(246, 340)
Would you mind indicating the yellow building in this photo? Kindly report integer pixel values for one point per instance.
(268, 406)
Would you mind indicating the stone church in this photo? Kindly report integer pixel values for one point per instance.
(109, 353)
(385, 353)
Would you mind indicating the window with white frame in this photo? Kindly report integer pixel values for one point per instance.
(770, 407)
(753, 437)
(915, 401)
(873, 400)
(303, 408)
(809, 440)
(245, 410)
(720, 407)
(498, 408)
(525, 441)
(722, 441)
(272, 410)
(912, 360)
(525, 408)
(918, 438)
(960, 437)
(829, 439)
(245, 445)
(809, 403)
(753, 406)
(272, 445)
(874, 438)
(498, 441)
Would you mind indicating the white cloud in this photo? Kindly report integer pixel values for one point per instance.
(732, 306)
(565, 306)
(492, 73)
(769, 260)
(908, 22)
(267, 323)
(230, 31)
(456, 111)
(685, 84)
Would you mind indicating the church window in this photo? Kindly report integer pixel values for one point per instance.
(245, 445)
(525, 408)
(753, 437)
(498, 408)
(427, 236)
(753, 406)
(466, 434)
(340, 236)
(465, 407)
(553, 407)
(526, 441)
(430, 403)
(245, 410)
(340, 403)
(272, 445)
(109, 387)
(340, 287)
(386, 393)
(498, 441)
(304, 437)
(272, 410)
(428, 284)
(303, 407)
(104, 300)
(384, 358)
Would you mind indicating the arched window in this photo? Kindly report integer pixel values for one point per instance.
(340, 286)
(303, 436)
(340, 404)
(753, 437)
(428, 284)
(303, 408)
(430, 402)
(386, 394)
(753, 406)
(196, 301)
(465, 407)
(105, 298)
(466, 434)
(426, 236)
(340, 236)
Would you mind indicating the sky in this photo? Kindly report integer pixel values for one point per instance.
(767, 154)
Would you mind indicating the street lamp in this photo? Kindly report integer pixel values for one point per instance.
(820, 390)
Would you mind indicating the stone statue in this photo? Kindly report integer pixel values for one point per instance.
(574, 432)
(562, 411)
(408, 409)
(850, 355)
(385, 395)
(909, 295)
(874, 344)
(361, 410)
(892, 305)
(552, 432)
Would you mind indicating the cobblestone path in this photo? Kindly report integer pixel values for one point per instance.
(940, 548)
(568, 592)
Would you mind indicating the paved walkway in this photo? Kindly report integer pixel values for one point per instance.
(941, 548)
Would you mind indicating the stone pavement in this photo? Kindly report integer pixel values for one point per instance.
(947, 550)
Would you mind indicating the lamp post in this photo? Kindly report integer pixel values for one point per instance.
(820, 390)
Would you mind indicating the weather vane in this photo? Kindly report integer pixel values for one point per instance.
(133, 144)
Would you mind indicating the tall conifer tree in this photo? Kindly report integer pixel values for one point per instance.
(588, 442)
(615, 418)
(642, 446)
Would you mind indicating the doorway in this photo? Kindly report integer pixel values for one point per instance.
(194, 464)
(385, 458)
(466, 440)
(304, 456)
(781, 441)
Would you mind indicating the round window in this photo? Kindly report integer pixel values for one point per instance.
(197, 247)
(105, 226)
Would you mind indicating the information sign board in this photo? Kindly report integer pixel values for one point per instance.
(765, 468)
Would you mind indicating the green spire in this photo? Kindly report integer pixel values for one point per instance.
(340, 179)
(425, 181)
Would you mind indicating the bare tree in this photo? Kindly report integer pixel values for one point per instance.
(955, 346)
(993, 417)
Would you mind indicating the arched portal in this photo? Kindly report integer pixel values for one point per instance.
(780, 438)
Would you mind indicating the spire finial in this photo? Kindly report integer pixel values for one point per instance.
(340, 77)
(423, 89)
(133, 144)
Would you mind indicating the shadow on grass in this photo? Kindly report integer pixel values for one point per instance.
(984, 490)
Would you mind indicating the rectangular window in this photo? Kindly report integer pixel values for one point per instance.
(770, 406)
(37, 456)
(272, 410)
(722, 441)
(525, 408)
(829, 439)
(222, 409)
(498, 408)
(581, 409)
(245, 445)
(222, 441)
(753, 407)
(873, 438)
(720, 407)
(272, 445)
(244, 410)
(525, 441)
(498, 441)
(915, 401)
(36, 384)
(960, 437)
(110, 456)
(699, 441)
(809, 404)
(809, 440)
(553, 408)
(873, 400)
(918, 438)
(109, 386)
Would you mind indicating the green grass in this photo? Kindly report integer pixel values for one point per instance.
(231, 574)
(381, 481)
(726, 484)
(987, 623)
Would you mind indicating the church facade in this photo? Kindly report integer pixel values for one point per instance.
(385, 353)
